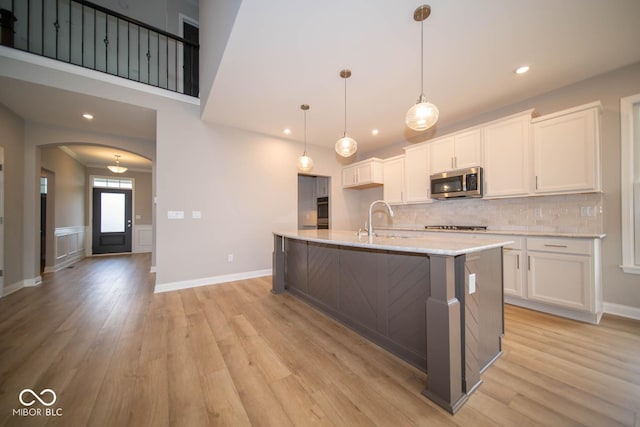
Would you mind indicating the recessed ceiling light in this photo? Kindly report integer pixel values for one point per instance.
(375, 132)
(521, 70)
(88, 116)
(287, 131)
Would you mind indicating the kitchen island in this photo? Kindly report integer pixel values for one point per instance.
(436, 301)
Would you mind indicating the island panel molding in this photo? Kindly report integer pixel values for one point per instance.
(411, 298)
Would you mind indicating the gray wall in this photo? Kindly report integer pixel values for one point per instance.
(619, 287)
(12, 131)
(70, 190)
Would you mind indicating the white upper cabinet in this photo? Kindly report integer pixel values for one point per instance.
(566, 151)
(458, 151)
(416, 173)
(394, 180)
(364, 174)
(506, 156)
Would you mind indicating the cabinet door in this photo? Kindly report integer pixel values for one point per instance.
(467, 150)
(441, 155)
(565, 153)
(416, 174)
(394, 180)
(506, 159)
(364, 173)
(560, 279)
(513, 273)
(349, 177)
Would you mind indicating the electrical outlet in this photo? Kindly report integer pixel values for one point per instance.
(538, 212)
(230, 258)
(472, 283)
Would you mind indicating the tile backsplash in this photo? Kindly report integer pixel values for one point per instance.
(571, 213)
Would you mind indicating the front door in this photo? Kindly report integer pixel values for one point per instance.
(111, 221)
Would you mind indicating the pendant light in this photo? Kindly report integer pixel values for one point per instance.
(305, 163)
(117, 168)
(346, 146)
(424, 114)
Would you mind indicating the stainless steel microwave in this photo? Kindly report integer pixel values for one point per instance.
(457, 183)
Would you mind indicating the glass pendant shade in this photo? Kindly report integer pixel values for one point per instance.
(117, 168)
(422, 115)
(346, 146)
(304, 163)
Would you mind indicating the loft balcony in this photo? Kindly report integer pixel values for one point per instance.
(88, 35)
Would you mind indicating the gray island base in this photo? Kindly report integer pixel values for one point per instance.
(435, 302)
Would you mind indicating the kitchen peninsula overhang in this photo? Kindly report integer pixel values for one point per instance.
(434, 301)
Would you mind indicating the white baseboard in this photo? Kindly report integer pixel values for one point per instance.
(28, 283)
(12, 288)
(64, 264)
(174, 286)
(621, 310)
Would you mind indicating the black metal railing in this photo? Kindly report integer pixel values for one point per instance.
(91, 36)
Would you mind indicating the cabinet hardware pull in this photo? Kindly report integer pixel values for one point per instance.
(529, 262)
(518, 262)
(556, 246)
(282, 244)
(536, 182)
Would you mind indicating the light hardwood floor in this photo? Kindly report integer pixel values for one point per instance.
(234, 354)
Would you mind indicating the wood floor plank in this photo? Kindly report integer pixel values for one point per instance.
(234, 354)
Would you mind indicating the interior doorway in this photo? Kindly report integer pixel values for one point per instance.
(47, 219)
(189, 57)
(314, 202)
(112, 220)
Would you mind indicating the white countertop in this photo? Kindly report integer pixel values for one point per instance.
(436, 244)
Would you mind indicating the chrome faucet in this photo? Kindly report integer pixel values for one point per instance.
(370, 211)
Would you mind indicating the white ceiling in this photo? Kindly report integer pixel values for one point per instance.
(51, 106)
(283, 53)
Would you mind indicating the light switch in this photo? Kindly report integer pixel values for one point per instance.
(175, 214)
(196, 214)
(472, 283)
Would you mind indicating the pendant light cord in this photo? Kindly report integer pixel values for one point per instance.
(305, 133)
(345, 107)
(422, 57)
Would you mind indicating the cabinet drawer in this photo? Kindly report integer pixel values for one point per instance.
(559, 245)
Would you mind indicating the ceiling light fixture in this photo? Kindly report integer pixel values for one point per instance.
(305, 163)
(287, 131)
(346, 146)
(88, 116)
(521, 70)
(117, 168)
(424, 114)
(375, 132)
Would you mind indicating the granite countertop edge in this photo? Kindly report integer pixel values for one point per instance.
(432, 245)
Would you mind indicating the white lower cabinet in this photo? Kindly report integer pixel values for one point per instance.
(555, 275)
(513, 268)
